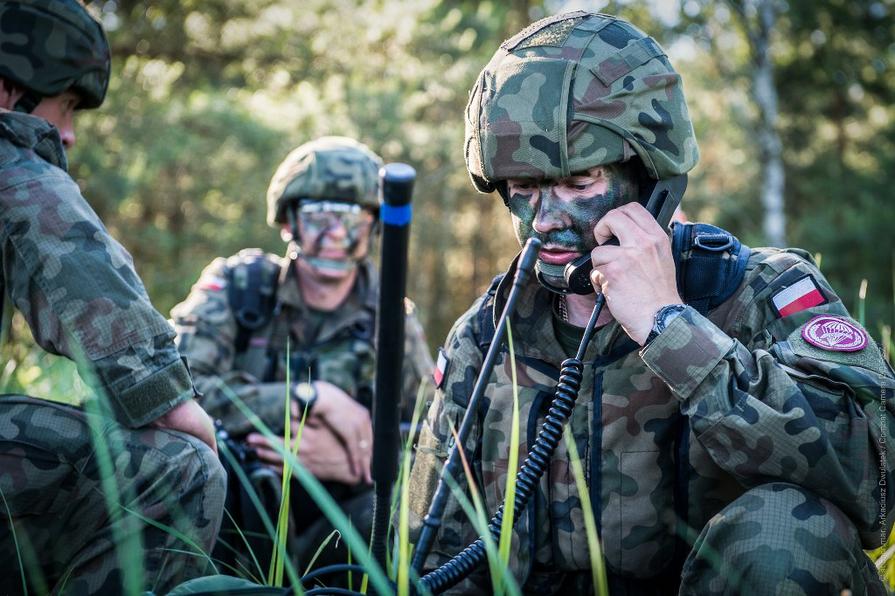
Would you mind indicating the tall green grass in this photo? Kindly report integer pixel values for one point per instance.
(509, 501)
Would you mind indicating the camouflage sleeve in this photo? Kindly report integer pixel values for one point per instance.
(779, 397)
(464, 359)
(418, 365)
(78, 291)
(206, 335)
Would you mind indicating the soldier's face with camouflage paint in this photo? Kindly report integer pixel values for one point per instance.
(334, 237)
(562, 213)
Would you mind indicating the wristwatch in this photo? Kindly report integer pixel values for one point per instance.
(664, 317)
(306, 395)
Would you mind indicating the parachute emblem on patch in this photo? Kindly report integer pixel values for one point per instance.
(834, 334)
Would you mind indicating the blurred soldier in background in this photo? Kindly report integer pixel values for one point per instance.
(253, 320)
(733, 418)
(77, 289)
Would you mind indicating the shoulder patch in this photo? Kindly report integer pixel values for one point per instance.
(441, 366)
(804, 293)
(835, 334)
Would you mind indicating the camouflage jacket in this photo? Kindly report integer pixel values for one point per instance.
(341, 352)
(75, 285)
(674, 431)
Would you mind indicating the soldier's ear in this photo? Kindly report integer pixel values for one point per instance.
(10, 94)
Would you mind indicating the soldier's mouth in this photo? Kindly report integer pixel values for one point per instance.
(556, 255)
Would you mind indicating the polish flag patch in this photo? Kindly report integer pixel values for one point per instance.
(803, 294)
(440, 368)
(213, 284)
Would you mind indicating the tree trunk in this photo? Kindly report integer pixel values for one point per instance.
(770, 149)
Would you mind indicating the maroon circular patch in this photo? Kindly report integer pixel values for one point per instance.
(835, 334)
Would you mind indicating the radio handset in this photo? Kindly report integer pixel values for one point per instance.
(662, 202)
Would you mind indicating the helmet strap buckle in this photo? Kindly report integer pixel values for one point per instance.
(28, 102)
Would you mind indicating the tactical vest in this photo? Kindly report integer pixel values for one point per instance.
(252, 287)
(710, 264)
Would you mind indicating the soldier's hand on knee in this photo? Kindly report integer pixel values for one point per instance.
(190, 418)
(350, 421)
(637, 276)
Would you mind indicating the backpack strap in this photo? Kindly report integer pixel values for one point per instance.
(485, 316)
(252, 293)
(710, 263)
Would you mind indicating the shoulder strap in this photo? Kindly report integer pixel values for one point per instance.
(485, 316)
(710, 262)
(252, 293)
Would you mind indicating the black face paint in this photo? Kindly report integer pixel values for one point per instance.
(571, 215)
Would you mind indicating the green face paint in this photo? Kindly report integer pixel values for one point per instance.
(562, 213)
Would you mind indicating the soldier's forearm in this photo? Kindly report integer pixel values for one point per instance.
(103, 320)
(759, 417)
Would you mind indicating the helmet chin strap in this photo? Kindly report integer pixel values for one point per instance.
(28, 102)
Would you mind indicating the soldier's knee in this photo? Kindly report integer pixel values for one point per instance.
(196, 477)
(777, 538)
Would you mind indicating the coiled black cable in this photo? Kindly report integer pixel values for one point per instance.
(527, 478)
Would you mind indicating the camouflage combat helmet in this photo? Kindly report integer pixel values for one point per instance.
(49, 46)
(335, 168)
(574, 91)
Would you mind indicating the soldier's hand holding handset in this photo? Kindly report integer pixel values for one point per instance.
(637, 276)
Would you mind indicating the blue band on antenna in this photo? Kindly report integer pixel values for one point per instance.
(396, 216)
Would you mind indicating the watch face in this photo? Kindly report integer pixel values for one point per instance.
(305, 391)
(667, 314)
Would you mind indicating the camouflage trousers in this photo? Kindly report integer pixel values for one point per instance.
(779, 538)
(776, 538)
(61, 531)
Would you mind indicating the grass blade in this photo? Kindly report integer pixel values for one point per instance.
(506, 525)
(597, 566)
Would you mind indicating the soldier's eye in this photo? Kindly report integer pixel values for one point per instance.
(522, 186)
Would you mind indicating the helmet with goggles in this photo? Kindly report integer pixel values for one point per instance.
(50, 46)
(575, 91)
(331, 169)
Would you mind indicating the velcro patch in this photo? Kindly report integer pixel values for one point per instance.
(835, 334)
(441, 366)
(803, 294)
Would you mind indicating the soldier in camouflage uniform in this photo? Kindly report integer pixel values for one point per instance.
(79, 293)
(739, 450)
(317, 305)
